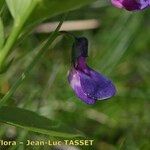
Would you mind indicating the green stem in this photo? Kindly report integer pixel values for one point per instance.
(42, 49)
(1, 34)
(17, 27)
(69, 34)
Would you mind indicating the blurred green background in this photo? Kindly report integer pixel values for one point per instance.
(119, 49)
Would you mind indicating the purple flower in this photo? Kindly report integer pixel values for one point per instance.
(131, 4)
(87, 84)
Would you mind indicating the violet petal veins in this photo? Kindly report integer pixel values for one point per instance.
(131, 5)
(87, 84)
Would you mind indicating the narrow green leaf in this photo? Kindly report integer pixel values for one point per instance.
(1, 34)
(31, 121)
(49, 8)
(20, 11)
(1, 3)
(119, 42)
(45, 46)
(6, 66)
(18, 8)
(45, 8)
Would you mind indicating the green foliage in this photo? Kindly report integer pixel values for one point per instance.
(122, 38)
(1, 34)
(45, 8)
(19, 9)
(33, 122)
(1, 3)
(25, 74)
(49, 8)
(118, 49)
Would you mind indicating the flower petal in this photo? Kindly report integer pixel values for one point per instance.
(97, 86)
(131, 4)
(117, 3)
(80, 93)
(74, 80)
(144, 3)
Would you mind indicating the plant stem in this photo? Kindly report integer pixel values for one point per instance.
(42, 49)
(17, 27)
(1, 34)
(69, 34)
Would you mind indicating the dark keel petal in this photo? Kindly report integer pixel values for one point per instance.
(97, 86)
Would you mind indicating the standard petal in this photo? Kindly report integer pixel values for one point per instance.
(97, 86)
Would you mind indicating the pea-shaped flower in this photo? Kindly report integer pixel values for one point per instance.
(87, 84)
(131, 4)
